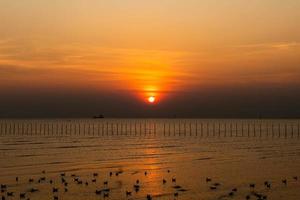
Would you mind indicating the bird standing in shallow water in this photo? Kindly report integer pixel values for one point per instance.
(213, 187)
(105, 195)
(98, 192)
(128, 193)
(284, 181)
(22, 195)
(10, 194)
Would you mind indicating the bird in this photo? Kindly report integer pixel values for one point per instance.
(164, 181)
(31, 180)
(10, 194)
(146, 173)
(267, 184)
(106, 190)
(105, 182)
(149, 197)
(174, 180)
(284, 181)
(208, 179)
(217, 184)
(94, 180)
(54, 189)
(128, 193)
(234, 190)
(98, 192)
(137, 181)
(95, 174)
(63, 174)
(32, 190)
(105, 195)
(252, 185)
(22, 195)
(110, 173)
(176, 194)
(177, 187)
(17, 179)
(136, 188)
(213, 187)
(55, 197)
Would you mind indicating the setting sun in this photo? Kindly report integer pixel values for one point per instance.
(151, 99)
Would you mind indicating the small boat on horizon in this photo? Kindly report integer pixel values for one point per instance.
(98, 116)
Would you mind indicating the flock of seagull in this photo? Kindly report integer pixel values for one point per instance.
(66, 180)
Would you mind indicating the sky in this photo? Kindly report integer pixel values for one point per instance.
(198, 58)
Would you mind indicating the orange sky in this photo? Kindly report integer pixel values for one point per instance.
(149, 47)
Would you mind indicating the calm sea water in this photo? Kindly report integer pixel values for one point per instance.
(233, 153)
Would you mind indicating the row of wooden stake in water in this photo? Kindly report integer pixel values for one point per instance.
(140, 128)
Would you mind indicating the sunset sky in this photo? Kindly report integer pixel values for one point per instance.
(199, 58)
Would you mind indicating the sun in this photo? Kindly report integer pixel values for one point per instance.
(151, 99)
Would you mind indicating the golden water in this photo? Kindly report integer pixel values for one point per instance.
(234, 161)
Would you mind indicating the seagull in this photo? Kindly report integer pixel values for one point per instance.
(128, 193)
(149, 197)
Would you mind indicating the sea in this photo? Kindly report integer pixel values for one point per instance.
(186, 159)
